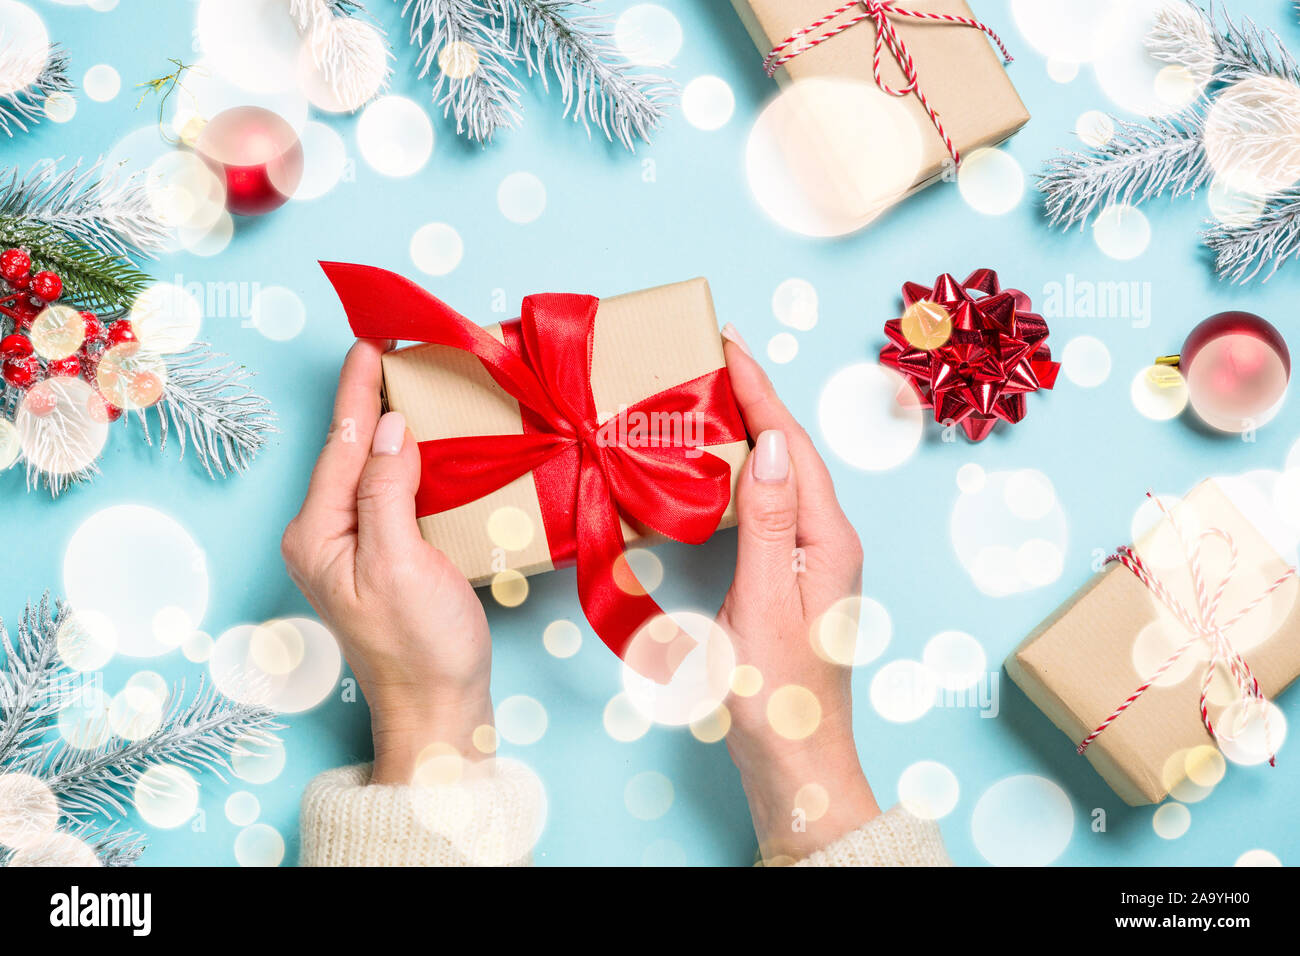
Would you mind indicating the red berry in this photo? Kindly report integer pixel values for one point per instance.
(119, 332)
(21, 372)
(47, 286)
(14, 263)
(68, 367)
(21, 282)
(94, 327)
(15, 346)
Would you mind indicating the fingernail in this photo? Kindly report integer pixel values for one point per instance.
(771, 457)
(390, 434)
(731, 335)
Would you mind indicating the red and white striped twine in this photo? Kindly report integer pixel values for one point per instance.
(879, 11)
(1204, 627)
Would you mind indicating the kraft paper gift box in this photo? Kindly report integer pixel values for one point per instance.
(644, 342)
(959, 69)
(1093, 652)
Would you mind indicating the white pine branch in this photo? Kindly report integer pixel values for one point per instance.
(476, 84)
(102, 210)
(21, 109)
(575, 43)
(1242, 253)
(347, 54)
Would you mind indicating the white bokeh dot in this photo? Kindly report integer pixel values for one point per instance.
(1025, 820)
(991, 181)
(863, 420)
(521, 197)
(325, 159)
(1094, 128)
(1086, 361)
(101, 83)
(395, 136)
(955, 659)
(278, 313)
(903, 691)
(1159, 393)
(521, 720)
(1122, 232)
(1171, 821)
(708, 103)
(782, 348)
(1258, 858)
(1010, 535)
(971, 478)
(794, 303)
(648, 795)
(648, 35)
(436, 248)
(928, 790)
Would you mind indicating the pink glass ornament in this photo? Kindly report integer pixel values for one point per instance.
(1237, 368)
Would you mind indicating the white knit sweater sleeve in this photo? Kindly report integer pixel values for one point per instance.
(895, 838)
(488, 820)
(495, 820)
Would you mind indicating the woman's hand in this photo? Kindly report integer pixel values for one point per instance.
(797, 556)
(409, 623)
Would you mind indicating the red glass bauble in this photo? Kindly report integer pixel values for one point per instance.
(258, 156)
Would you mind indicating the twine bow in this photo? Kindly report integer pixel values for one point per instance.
(879, 11)
(1202, 626)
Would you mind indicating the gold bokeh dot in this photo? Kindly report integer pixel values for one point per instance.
(510, 528)
(835, 633)
(276, 647)
(57, 332)
(1205, 765)
(794, 711)
(713, 726)
(926, 325)
(131, 377)
(662, 629)
(458, 60)
(813, 800)
(509, 588)
(485, 739)
(438, 765)
(562, 638)
(746, 680)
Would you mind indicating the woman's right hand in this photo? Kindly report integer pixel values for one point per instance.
(797, 557)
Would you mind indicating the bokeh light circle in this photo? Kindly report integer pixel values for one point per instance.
(648, 795)
(836, 182)
(708, 102)
(928, 790)
(166, 796)
(864, 422)
(794, 303)
(248, 664)
(128, 562)
(57, 428)
(521, 720)
(903, 691)
(259, 845)
(521, 197)
(395, 135)
(1024, 820)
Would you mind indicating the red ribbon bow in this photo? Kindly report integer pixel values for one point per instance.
(887, 36)
(586, 472)
(996, 355)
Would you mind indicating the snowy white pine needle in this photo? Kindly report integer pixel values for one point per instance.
(471, 60)
(93, 786)
(103, 210)
(21, 109)
(575, 43)
(350, 53)
(1254, 132)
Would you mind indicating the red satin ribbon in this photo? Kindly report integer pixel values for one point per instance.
(585, 477)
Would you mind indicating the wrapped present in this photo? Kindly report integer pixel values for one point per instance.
(1176, 647)
(934, 54)
(564, 435)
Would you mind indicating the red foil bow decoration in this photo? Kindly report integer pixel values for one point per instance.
(996, 355)
(585, 474)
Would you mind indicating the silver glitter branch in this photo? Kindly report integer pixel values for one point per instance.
(201, 734)
(471, 60)
(1138, 163)
(212, 409)
(1168, 157)
(22, 109)
(575, 43)
(1242, 253)
(99, 209)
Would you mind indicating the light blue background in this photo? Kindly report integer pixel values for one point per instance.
(606, 230)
